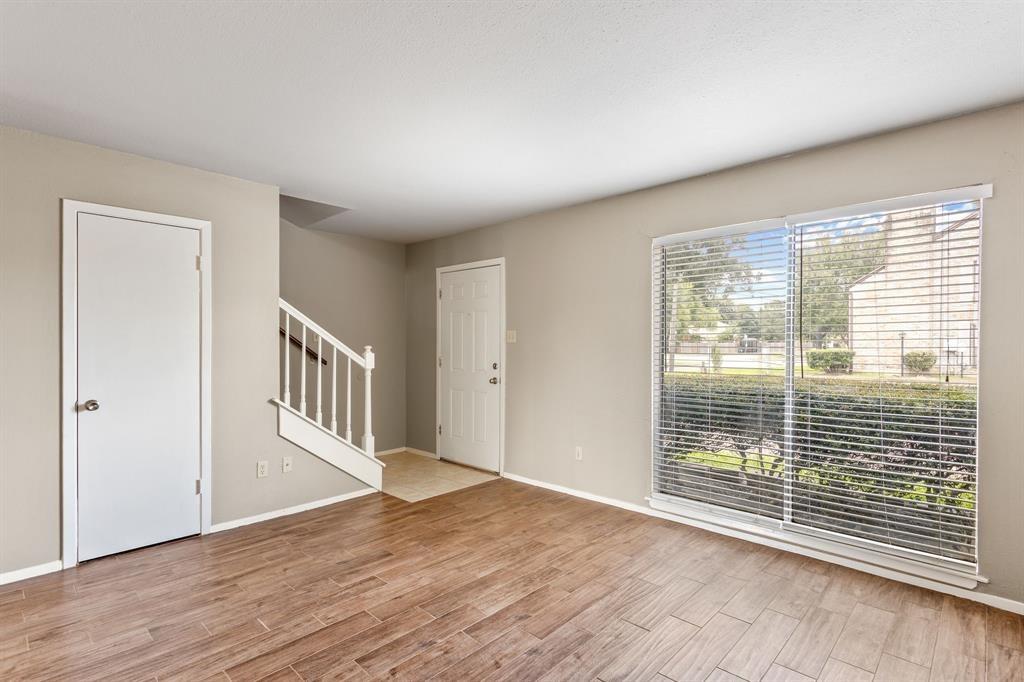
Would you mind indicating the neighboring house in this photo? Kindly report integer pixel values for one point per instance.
(929, 255)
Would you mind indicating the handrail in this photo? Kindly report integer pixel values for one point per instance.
(366, 362)
(321, 332)
(297, 342)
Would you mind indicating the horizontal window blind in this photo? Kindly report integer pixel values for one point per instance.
(720, 381)
(823, 376)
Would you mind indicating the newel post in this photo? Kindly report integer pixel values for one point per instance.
(368, 411)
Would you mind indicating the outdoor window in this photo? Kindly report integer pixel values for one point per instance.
(818, 374)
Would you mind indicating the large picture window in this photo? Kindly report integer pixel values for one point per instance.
(819, 373)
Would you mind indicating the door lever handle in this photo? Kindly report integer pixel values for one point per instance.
(494, 380)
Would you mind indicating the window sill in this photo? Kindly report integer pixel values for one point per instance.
(869, 561)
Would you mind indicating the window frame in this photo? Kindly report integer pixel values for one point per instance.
(827, 545)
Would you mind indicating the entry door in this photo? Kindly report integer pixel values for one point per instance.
(138, 405)
(470, 350)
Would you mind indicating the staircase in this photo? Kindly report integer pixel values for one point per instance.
(311, 421)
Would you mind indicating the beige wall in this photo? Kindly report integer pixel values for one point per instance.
(578, 294)
(36, 171)
(355, 288)
(579, 297)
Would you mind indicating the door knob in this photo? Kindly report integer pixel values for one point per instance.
(494, 380)
(91, 405)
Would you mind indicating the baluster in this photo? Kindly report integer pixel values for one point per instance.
(302, 362)
(287, 358)
(319, 381)
(348, 403)
(334, 389)
(368, 426)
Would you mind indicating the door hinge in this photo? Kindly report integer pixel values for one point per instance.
(199, 486)
(438, 294)
(439, 429)
(439, 361)
(199, 263)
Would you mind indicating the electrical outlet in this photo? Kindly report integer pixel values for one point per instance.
(286, 464)
(579, 453)
(262, 468)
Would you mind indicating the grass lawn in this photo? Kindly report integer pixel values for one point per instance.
(809, 373)
(731, 460)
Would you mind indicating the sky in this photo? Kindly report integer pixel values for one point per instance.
(765, 252)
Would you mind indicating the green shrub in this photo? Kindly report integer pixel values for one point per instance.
(831, 360)
(919, 361)
(862, 449)
(716, 358)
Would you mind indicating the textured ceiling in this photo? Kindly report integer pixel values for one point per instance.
(425, 118)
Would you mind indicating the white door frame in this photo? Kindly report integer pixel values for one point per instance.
(69, 361)
(500, 262)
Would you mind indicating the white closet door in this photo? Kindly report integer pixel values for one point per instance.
(139, 361)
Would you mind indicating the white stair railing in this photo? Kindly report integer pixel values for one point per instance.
(292, 317)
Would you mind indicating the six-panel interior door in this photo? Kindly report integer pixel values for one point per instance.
(138, 384)
(470, 345)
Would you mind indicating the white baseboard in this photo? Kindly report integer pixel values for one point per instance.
(422, 453)
(266, 516)
(57, 565)
(395, 451)
(585, 495)
(990, 599)
(30, 572)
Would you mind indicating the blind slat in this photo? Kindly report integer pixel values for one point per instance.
(873, 435)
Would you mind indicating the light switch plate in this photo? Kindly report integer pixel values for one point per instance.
(510, 336)
(286, 464)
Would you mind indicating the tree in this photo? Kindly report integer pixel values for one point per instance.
(701, 292)
(772, 319)
(741, 321)
(706, 292)
(828, 266)
(691, 310)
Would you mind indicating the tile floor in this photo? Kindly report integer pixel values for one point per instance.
(412, 477)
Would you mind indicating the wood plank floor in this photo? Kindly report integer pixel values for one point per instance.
(497, 581)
